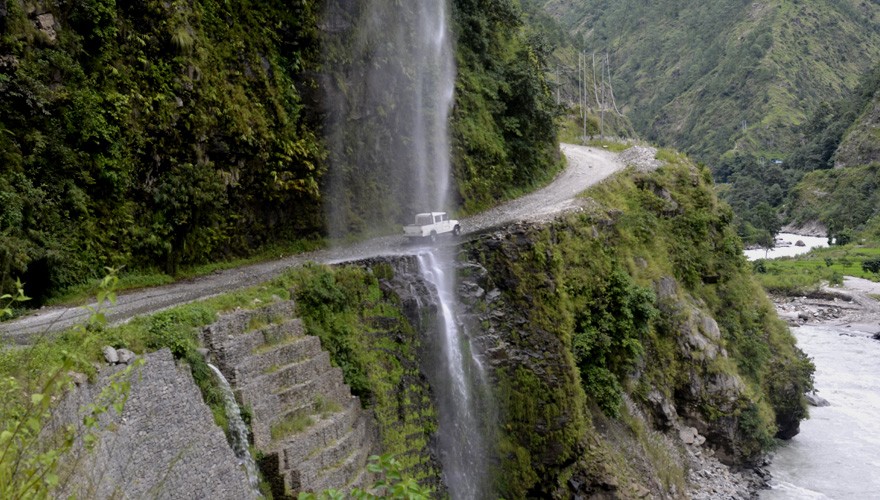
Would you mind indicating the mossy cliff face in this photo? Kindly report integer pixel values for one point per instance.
(372, 317)
(640, 305)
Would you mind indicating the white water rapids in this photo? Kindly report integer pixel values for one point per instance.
(837, 453)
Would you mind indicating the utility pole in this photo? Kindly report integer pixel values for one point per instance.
(602, 103)
(584, 103)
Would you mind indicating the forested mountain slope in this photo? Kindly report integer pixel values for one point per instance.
(861, 144)
(717, 76)
(153, 134)
(843, 193)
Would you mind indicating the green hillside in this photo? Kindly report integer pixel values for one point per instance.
(713, 77)
(161, 135)
(861, 144)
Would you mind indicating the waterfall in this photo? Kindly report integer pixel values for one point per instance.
(237, 429)
(389, 83)
(457, 377)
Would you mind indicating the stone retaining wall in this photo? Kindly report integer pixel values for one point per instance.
(164, 445)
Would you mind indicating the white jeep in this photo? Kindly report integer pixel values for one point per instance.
(430, 224)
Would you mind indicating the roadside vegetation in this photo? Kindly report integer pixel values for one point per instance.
(590, 282)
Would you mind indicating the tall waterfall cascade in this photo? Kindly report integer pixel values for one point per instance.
(459, 382)
(389, 97)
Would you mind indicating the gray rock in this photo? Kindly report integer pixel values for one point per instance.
(667, 287)
(46, 24)
(110, 355)
(663, 409)
(165, 443)
(8, 62)
(688, 435)
(815, 400)
(710, 328)
(125, 356)
(78, 378)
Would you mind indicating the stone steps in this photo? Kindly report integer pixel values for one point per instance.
(344, 472)
(280, 373)
(331, 444)
(290, 351)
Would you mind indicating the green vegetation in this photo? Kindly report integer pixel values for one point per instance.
(804, 274)
(291, 425)
(717, 76)
(503, 131)
(390, 484)
(369, 338)
(844, 200)
(161, 137)
(377, 349)
(802, 189)
(153, 136)
(30, 449)
(586, 284)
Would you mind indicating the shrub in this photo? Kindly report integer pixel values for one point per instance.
(871, 265)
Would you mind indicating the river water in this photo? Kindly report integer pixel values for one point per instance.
(837, 453)
(790, 249)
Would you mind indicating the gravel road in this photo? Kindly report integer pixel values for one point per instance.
(586, 166)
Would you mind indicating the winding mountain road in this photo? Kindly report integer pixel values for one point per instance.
(586, 166)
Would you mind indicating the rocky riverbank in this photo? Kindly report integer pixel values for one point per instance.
(852, 306)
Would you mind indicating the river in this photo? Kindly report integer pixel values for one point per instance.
(790, 249)
(837, 453)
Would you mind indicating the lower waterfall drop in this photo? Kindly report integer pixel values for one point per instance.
(459, 383)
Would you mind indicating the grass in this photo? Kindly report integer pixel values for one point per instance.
(292, 424)
(325, 407)
(300, 421)
(272, 343)
(805, 273)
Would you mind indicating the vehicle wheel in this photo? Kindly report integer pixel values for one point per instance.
(456, 230)
(433, 236)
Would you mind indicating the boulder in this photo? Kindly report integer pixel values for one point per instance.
(125, 356)
(110, 355)
(688, 435)
(816, 400)
(46, 24)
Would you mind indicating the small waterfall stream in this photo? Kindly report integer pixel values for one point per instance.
(457, 378)
(237, 429)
